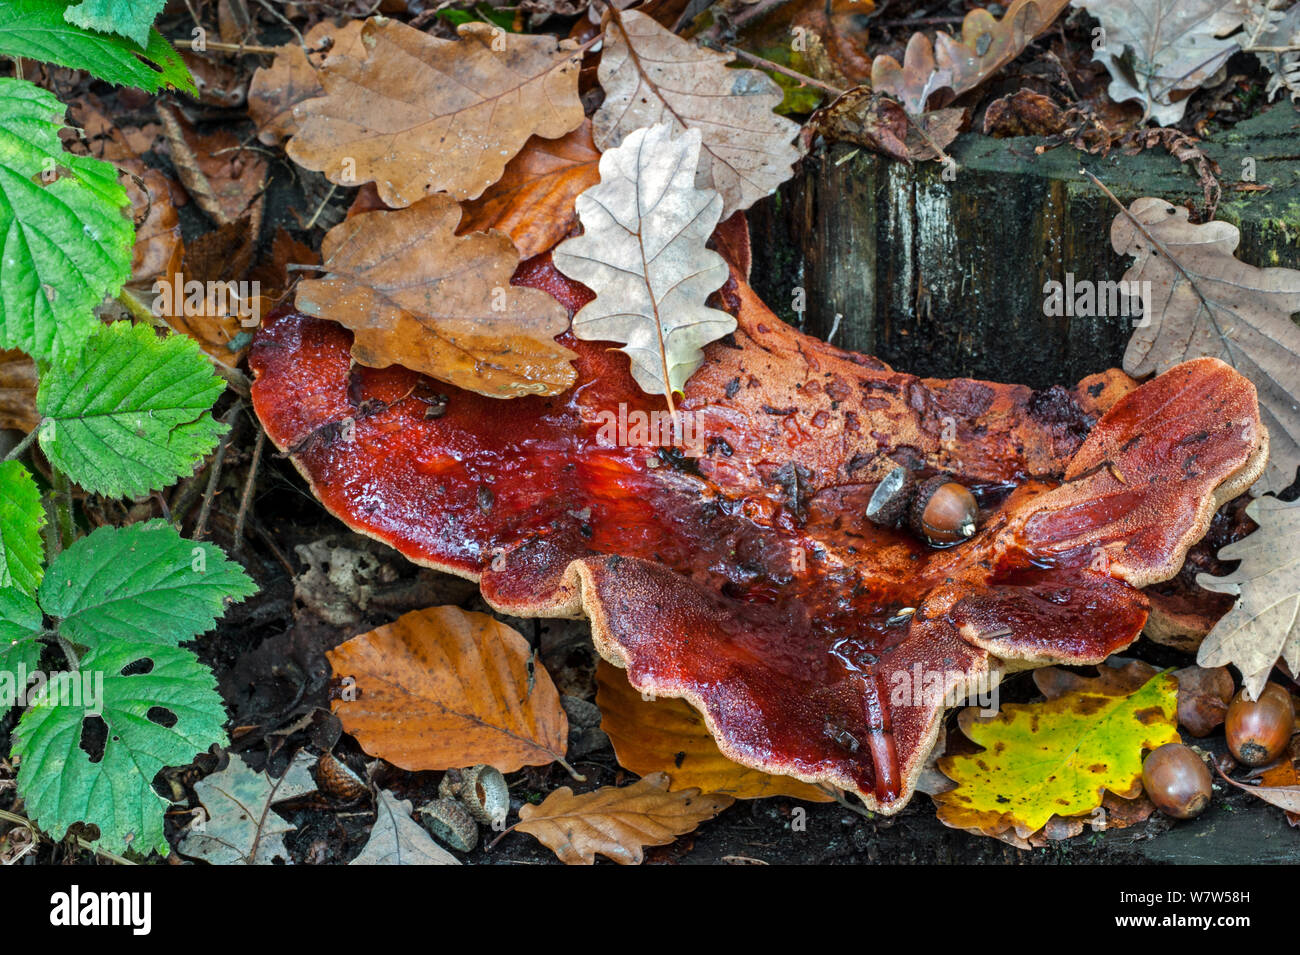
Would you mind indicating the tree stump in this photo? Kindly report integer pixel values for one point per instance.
(946, 278)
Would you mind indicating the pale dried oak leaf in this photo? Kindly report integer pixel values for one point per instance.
(1264, 624)
(421, 115)
(643, 253)
(416, 294)
(1158, 51)
(651, 76)
(1204, 301)
(617, 821)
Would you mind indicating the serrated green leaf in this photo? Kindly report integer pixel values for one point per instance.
(130, 18)
(65, 242)
(36, 29)
(61, 785)
(140, 584)
(21, 517)
(128, 413)
(20, 623)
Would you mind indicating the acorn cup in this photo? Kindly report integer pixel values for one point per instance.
(892, 499)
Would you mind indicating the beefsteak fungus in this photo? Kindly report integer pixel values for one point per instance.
(740, 571)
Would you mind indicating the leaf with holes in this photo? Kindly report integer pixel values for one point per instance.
(128, 18)
(651, 76)
(129, 412)
(159, 707)
(643, 253)
(67, 243)
(37, 30)
(239, 825)
(21, 517)
(617, 821)
(1205, 301)
(1263, 626)
(143, 583)
(443, 687)
(416, 294)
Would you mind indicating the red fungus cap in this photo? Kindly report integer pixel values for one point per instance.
(738, 571)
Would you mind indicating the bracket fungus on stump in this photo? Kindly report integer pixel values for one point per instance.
(739, 571)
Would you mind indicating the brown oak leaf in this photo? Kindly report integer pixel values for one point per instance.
(421, 115)
(17, 391)
(416, 294)
(291, 78)
(617, 821)
(950, 67)
(1205, 301)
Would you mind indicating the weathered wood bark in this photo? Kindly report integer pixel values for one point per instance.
(946, 278)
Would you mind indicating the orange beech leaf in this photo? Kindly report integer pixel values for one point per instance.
(444, 687)
(420, 115)
(617, 821)
(670, 736)
(533, 202)
(418, 295)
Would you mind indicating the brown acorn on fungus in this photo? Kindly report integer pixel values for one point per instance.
(939, 509)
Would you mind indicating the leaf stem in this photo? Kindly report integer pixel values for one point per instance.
(30, 826)
(61, 498)
(785, 71)
(24, 444)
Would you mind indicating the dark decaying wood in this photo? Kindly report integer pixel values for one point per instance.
(945, 278)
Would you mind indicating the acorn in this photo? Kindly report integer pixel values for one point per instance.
(892, 498)
(450, 823)
(1259, 730)
(1177, 781)
(943, 511)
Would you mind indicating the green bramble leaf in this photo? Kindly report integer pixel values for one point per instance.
(21, 517)
(156, 716)
(140, 584)
(65, 241)
(129, 412)
(38, 30)
(20, 648)
(130, 18)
